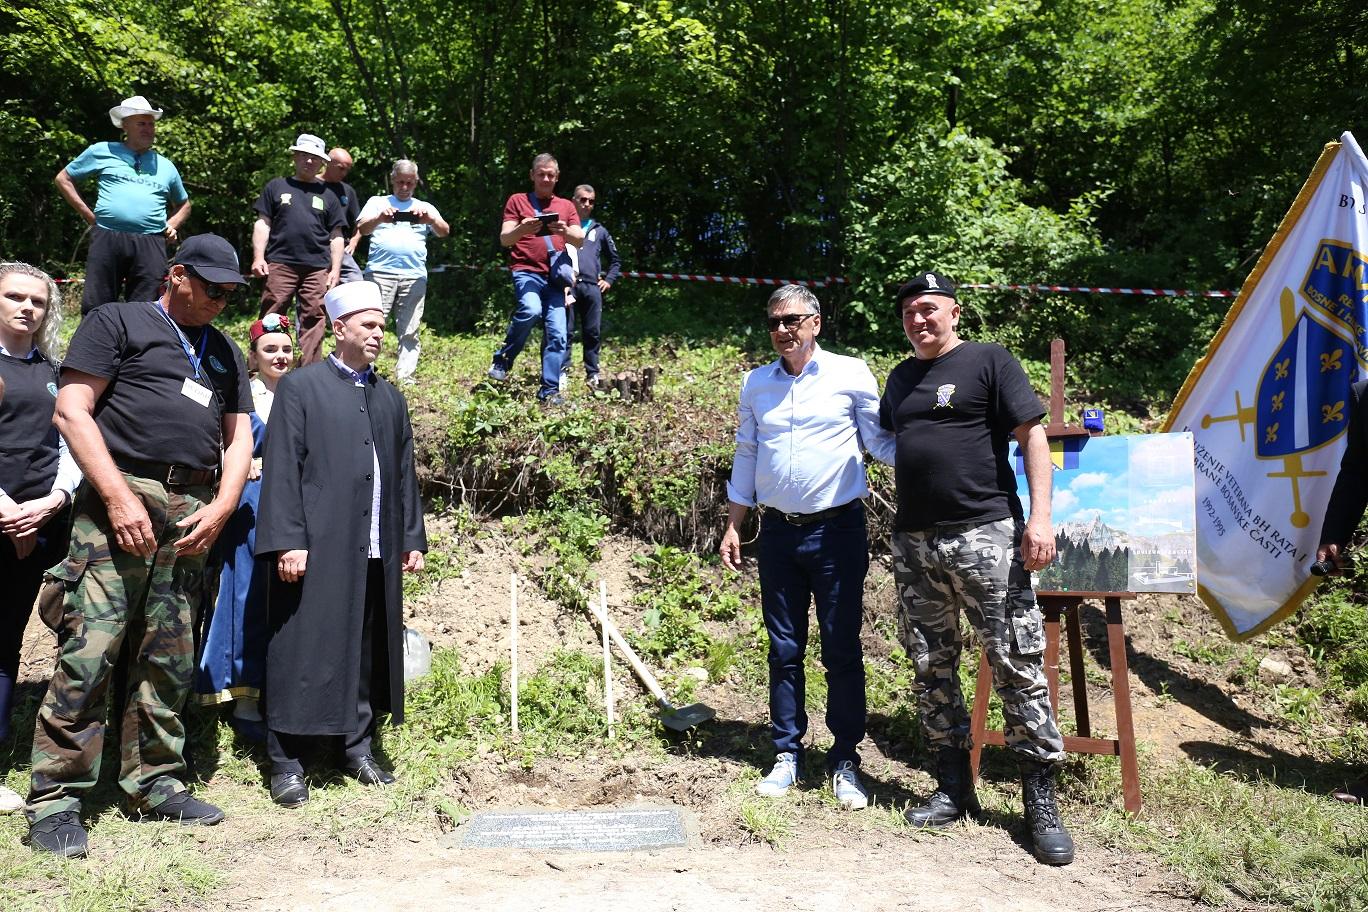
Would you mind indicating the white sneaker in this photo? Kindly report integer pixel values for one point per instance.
(10, 801)
(849, 790)
(496, 373)
(780, 779)
(564, 383)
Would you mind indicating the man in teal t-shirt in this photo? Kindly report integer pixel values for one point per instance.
(140, 206)
(399, 226)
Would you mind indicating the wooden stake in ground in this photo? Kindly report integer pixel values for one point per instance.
(607, 659)
(513, 642)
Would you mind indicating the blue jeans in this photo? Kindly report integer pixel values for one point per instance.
(826, 560)
(537, 301)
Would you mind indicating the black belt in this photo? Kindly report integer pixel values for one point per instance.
(169, 475)
(807, 519)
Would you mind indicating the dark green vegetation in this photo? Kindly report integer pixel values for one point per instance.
(1136, 142)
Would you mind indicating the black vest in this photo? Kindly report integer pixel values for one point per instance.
(28, 441)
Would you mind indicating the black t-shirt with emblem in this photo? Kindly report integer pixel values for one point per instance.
(351, 205)
(303, 216)
(28, 441)
(954, 417)
(144, 412)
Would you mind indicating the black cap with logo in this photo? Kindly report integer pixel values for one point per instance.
(212, 258)
(924, 283)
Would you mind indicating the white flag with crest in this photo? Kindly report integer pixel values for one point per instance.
(1268, 404)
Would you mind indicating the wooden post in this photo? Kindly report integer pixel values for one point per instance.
(513, 644)
(607, 659)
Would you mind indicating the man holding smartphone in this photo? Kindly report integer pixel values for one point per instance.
(399, 225)
(536, 227)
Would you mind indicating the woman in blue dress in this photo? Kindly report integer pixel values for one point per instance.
(232, 666)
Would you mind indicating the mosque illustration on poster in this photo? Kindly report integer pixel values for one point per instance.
(1124, 511)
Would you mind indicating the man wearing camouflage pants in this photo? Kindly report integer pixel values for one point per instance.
(961, 542)
(152, 397)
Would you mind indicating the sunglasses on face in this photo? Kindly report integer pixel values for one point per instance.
(788, 321)
(584, 202)
(214, 290)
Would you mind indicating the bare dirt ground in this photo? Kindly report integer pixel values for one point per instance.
(828, 859)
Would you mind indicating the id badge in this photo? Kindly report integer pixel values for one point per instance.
(192, 390)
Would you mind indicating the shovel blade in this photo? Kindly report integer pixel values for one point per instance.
(683, 718)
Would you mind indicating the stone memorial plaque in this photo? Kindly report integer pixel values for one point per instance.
(578, 831)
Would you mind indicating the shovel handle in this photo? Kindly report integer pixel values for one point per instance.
(630, 655)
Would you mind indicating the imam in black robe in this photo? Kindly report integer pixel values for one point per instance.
(316, 496)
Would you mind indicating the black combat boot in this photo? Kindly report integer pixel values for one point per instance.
(954, 796)
(1050, 841)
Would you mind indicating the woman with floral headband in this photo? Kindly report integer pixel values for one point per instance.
(232, 666)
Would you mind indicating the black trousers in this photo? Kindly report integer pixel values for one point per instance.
(588, 310)
(286, 750)
(122, 265)
(21, 581)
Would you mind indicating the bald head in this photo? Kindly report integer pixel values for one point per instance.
(339, 165)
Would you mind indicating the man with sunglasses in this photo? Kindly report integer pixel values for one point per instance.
(806, 422)
(140, 206)
(154, 406)
(599, 270)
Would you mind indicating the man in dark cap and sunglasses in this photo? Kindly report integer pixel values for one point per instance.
(806, 421)
(962, 542)
(154, 406)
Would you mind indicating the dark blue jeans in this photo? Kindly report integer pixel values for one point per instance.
(825, 561)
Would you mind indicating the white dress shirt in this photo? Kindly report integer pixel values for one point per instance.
(801, 440)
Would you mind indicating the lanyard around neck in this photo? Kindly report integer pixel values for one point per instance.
(189, 351)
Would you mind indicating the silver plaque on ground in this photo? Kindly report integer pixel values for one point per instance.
(576, 831)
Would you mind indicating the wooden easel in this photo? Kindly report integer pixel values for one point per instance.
(1057, 605)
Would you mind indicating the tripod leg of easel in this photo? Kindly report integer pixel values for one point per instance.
(1077, 675)
(1125, 726)
(978, 719)
(1051, 613)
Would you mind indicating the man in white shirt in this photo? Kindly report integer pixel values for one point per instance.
(399, 226)
(806, 421)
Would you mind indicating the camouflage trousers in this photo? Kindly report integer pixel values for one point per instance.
(111, 596)
(976, 568)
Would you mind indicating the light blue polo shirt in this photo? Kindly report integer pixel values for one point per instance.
(400, 248)
(134, 189)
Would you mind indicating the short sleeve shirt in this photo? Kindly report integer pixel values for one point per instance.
(144, 412)
(303, 217)
(530, 252)
(351, 204)
(398, 248)
(135, 189)
(954, 417)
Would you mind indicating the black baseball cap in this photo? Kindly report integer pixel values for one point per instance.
(212, 258)
(924, 283)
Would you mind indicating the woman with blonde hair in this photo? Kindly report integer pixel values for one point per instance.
(37, 474)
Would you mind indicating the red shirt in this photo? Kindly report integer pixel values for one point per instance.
(530, 252)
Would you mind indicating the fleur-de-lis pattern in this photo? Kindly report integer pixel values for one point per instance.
(1280, 369)
(1278, 401)
(1271, 433)
(1331, 360)
(1331, 413)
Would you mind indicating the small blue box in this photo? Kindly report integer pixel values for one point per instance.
(1093, 419)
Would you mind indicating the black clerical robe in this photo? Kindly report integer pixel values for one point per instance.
(317, 484)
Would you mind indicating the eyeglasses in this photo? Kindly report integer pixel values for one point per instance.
(788, 321)
(214, 290)
(584, 201)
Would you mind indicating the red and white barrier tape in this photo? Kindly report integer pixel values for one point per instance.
(829, 281)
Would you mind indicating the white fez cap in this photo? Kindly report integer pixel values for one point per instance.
(349, 297)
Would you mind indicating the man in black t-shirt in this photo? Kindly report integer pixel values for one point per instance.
(297, 244)
(961, 541)
(335, 179)
(152, 400)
